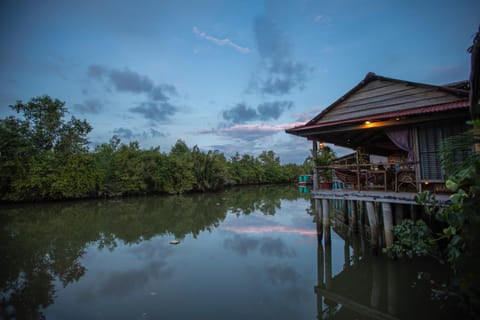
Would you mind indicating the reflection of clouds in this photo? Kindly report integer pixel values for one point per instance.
(123, 283)
(276, 248)
(281, 274)
(241, 245)
(284, 281)
(265, 229)
(269, 247)
(150, 249)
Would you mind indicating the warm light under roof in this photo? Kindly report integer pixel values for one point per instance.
(367, 122)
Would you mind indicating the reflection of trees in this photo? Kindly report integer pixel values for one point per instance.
(266, 199)
(41, 244)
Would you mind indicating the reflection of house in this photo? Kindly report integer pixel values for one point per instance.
(401, 120)
(376, 287)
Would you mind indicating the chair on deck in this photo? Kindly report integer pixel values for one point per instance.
(405, 178)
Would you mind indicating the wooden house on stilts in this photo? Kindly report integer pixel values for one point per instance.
(400, 121)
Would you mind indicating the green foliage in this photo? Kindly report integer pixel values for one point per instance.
(457, 240)
(324, 159)
(414, 239)
(45, 156)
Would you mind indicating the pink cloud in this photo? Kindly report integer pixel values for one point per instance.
(266, 229)
(253, 128)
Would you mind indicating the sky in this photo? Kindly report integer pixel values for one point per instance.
(222, 75)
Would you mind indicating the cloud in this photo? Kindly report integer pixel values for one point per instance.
(307, 115)
(129, 81)
(273, 110)
(129, 134)
(242, 113)
(322, 19)
(250, 132)
(162, 92)
(278, 73)
(158, 107)
(220, 42)
(123, 80)
(123, 133)
(156, 133)
(89, 106)
(96, 71)
(154, 111)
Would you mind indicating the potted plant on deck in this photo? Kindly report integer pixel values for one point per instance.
(323, 161)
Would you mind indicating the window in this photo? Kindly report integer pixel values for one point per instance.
(429, 138)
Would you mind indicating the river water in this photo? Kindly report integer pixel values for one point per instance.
(246, 253)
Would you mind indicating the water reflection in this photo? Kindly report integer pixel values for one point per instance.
(247, 253)
(43, 247)
(375, 287)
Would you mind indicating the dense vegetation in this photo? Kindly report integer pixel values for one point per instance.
(45, 156)
(453, 234)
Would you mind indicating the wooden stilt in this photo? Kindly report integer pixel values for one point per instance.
(345, 211)
(372, 219)
(319, 220)
(398, 214)
(391, 288)
(361, 228)
(315, 170)
(320, 276)
(375, 295)
(356, 246)
(387, 223)
(326, 221)
(346, 254)
(328, 266)
(413, 212)
(353, 216)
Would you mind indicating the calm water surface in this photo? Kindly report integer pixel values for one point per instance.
(249, 253)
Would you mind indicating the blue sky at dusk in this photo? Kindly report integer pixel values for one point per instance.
(224, 75)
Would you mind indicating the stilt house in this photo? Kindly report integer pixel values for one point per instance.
(401, 120)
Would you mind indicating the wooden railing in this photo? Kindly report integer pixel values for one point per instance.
(394, 176)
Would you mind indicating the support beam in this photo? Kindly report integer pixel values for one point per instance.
(328, 267)
(326, 222)
(346, 253)
(376, 290)
(413, 212)
(398, 214)
(387, 223)
(320, 276)
(345, 211)
(353, 216)
(372, 219)
(319, 220)
(392, 288)
(315, 171)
